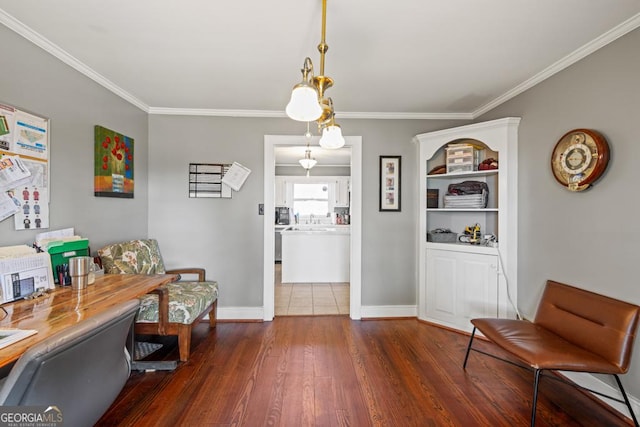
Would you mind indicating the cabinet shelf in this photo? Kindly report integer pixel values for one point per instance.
(462, 209)
(469, 174)
(463, 247)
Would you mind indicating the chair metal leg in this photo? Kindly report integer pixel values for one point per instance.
(626, 400)
(466, 356)
(536, 381)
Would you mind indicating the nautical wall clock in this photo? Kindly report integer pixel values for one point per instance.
(579, 158)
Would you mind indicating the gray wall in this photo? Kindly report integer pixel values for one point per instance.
(35, 81)
(226, 236)
(587, 239)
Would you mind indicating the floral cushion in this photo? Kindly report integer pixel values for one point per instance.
(186, 301)
(133, 257)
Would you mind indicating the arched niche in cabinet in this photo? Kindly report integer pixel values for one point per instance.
(496, 139)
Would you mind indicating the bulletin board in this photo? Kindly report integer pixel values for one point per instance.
(24, 168)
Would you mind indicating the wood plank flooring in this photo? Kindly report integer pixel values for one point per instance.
(332, 371)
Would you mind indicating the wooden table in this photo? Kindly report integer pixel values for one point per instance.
(64, 307)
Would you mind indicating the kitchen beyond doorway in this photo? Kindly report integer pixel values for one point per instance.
(310, 299)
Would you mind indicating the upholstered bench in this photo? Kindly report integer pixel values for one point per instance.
(172, 309)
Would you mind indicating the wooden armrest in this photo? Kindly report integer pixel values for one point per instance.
(199, 271)
(163, 308)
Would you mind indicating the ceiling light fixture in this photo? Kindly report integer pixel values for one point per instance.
(307, 162)
(307, 101)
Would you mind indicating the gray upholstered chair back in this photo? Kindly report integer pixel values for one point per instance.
(81, 369)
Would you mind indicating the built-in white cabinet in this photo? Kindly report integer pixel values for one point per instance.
(461, 286)
(341, 192)
(460, 281)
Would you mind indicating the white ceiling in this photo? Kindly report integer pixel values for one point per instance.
(394, 59)
(401, 58)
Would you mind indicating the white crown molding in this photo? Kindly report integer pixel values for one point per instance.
(40, 41)
(169, 111)
(587, 49)
(281, 114)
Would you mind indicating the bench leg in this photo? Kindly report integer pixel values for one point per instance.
(213, 314)
(536, 381)
(626, 400)
(184, 342)
(466, 356)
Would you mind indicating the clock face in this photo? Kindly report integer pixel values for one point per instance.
(579, 158)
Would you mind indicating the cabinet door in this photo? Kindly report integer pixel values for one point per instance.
(281, 192)
(342, 192)
(461, 286)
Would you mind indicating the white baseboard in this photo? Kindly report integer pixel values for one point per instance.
(241, 313)
(375, 311)
(593, 383)
(257, 313)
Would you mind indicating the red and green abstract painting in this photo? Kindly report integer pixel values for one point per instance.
(113, 164)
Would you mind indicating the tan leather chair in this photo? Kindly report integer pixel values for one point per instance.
(80, 370)
(573, 330)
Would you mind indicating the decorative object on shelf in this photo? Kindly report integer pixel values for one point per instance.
(442, 235)
(438, 170)
(579, 158)
(308, 102)
(113, 164)
(433, 194)
(390, 183)
(471, 235)
(307, 162)
(488, 164)
(461, 157)
(467, 194)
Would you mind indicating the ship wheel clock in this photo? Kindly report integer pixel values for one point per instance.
(579, 158)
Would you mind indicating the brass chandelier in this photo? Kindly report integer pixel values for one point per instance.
(308, 102)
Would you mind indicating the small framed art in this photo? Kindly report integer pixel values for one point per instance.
(390, 167)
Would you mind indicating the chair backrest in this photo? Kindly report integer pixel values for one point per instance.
(133, 257)
(604, 325)
(80, 370)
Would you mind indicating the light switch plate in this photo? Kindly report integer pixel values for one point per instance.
(261, 209)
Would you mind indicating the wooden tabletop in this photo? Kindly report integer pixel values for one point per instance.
(64, 307)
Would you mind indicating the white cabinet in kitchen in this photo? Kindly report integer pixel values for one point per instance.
(462, 286)
(341, 192)
(283, 196)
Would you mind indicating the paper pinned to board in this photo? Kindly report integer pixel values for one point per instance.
(13, 173)
(236, 176)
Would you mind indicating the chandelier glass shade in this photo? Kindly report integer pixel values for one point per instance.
(308, 102)
(303, 105)
(332, 137)
(307, 162)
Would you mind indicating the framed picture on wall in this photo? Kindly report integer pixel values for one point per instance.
(113, 164)
(390, 183)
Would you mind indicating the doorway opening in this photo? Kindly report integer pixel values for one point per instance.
(345, 293)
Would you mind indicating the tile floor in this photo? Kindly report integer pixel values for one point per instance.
(297, 299)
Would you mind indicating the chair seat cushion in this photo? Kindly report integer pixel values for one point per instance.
(540, 348)
(187, 300)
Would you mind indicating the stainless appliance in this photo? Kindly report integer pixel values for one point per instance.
(282, 216)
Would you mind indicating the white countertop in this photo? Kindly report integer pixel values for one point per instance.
(317, 229)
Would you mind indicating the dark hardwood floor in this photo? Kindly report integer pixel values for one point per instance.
(332, 371)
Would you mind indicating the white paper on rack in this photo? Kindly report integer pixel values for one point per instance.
(236, 176)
